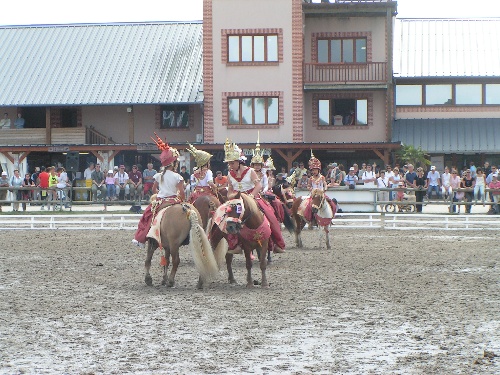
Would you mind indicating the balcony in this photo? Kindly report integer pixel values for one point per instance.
(345, 74)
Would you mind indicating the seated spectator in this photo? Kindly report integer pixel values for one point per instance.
(302, 183)
(110, 186)
(495, 188)
(98, 184)
(121, 182)
(220, 181)
(148, 179)
(135, 183)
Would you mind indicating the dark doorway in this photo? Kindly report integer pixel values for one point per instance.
(34, 117)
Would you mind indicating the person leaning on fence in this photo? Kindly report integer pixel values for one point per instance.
(382, 183)
(51, 192)
(27, 195)
(455, 184)
(433, 183)
(16, 182)
(468, 183)
(4, 183)
(495, 190)
(351, 179)
(421, 185)
(62, 185)
(43, 183)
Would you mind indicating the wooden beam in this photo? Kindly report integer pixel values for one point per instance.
(290, 156)
(97, 155)
(23, 156)
(48, 127)
(113, 155)
(8, 156)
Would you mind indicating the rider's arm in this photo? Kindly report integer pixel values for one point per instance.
(180, 190)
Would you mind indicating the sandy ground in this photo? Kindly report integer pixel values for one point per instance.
(380, 302)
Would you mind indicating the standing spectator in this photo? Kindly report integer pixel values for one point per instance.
(361, 171)
(389, 174)
(446, 189)
(351, 178)
(468, 183)
(5, 122)
(421, 185)
(26, 195)
(110, 186)
(457, 196)
(43, 183)
(369, 178)
(271, 180)
(486, 168)
(331, 173)
(148, 179)
(87, 173)
(34, 178)
(382, 183)
(340, 176)
(121, 178)
(98, 184)
(433, 183)
(479, 185)
(135, 183)
(489, 178)
(51, 192)
(16, 181)
(394, 182)
(4, 183)
(495, 187)
(19, 121)
(472, 169)
(184, 174)
(410, 177)
(62, 186)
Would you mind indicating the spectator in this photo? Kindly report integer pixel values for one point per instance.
(220, 180)
(5, 122)
(446, 189)
(479, 185)
(351, 178)
(110, 186)
(27, 195)
(394, 183)
(4, 183)
(51, 192)
(19, 122)
(472, 169)
(98, 184)
(302, 183)
(410, 177)
(16, 182)
(43, 183)
(361, 171)
(339, 176)
(34, 178)
(295, 165)
(489, 178)
(457, 196)
(331, 172)
(135, 183)
(468, 183)
(300, 171)
(495, 187)
(486, 168)
(433, 183)
(184, 174)
(368, 177)
(421, 185)
(148, 179)
(271, 179)
(87, 173)
(62, 186)
(121, 182)
(382, 183)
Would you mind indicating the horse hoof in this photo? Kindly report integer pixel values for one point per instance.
(171, 284)
(250, 285)
(328, 247)
(148, 280)
(265, 286)
(232, 281)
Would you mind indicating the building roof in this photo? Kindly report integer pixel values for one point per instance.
(447, 47)
(461, 135)
(101, 64)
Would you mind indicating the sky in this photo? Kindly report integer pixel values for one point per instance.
(26, 12)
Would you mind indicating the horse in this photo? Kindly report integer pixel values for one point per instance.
(240, 220)
(285, 194)
(321, 215)
(178, 225)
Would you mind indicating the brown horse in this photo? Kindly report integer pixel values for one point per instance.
(180, 225)
(322, 214)
(206, 206)
(241, 220)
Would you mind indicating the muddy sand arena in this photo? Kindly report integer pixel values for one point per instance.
(380, 302)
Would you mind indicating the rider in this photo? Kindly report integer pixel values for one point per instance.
(244, 179)
(317, 180)
(202, 177)
(168, 186)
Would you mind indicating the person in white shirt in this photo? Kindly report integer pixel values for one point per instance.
(433, 183)
(369, 178)
(383, 183)
(446, 189)
(121, 178)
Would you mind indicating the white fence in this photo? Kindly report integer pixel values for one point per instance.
(345, 220)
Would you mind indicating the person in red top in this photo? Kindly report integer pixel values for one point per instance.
(43, 183)
(495, 187)
(135, 183)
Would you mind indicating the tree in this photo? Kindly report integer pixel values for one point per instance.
(411, 155)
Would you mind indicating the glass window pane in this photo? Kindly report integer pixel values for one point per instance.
(469, 94)
(168, 118)
(246, 111)
(260, 110)
(233, 48)
(272, 110)
(408, 95)
(322, 51)
(348, 50)
(362, 112)
(438, 94)
(246, 48)
(336, 51)
(234, 111)
(182, 119)
(258, 48)
(324, 112)
(493, 94)
(361, 50)
(272, 48)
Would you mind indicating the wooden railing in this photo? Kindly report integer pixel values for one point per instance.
(95, 137)
(374, 72)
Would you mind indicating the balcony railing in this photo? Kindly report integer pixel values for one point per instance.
(374, 72)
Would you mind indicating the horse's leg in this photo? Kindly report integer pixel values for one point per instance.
(328, 247)
(248, 259)
(298, 229)
(229, 262)
(263, 266)
(176, 259)
(147, 264)
(165, 267)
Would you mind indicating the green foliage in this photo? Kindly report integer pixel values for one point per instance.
(411, 155)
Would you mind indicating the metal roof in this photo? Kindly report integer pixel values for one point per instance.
(447, 47)
(89, 64)
(461, 135)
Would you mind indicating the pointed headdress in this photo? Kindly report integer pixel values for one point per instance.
(168, 155)
(257, 154)
(314, 162)
(269, 164)
(232, 152)
(200, 157)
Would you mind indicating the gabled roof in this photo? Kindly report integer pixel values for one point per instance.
(447, 47)
(101, 64)
(458, 135)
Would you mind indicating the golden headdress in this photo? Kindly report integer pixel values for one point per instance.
(168, 154)
(314, 162)
(257, 157)
(232, 152)
(269, 164)
(200, 157)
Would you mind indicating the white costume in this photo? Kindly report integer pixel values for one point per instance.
(167, 186)
(245, 184)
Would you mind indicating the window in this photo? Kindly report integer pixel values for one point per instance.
(342, 112)
(174, 117)
(345, 50)
(438, 94)
(468, 94)
(69, 118)
(253, 111)
(252, 48)
(492, 94)
(409, 95)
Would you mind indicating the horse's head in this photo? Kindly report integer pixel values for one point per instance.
(234, 211)
(288, 195)
(317, 200)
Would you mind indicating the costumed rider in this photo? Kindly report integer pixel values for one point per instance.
(202, 178)
(168, 186)
(245, 180)
(318, 181)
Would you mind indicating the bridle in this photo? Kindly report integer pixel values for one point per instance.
(239, 205)
(318, 207)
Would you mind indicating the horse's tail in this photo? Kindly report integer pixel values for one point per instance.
(287, 220)
(220, 250)
(199, 244)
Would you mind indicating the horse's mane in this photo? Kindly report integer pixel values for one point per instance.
(250, 203)
(317, 192)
